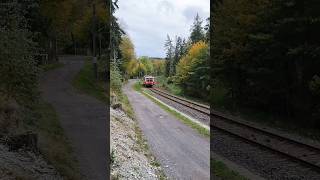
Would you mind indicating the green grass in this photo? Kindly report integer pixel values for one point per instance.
(85, 82)
(175, 89)
(223, 172)
(48, 67)
(201, 130)
(170, 87)
(53, 143)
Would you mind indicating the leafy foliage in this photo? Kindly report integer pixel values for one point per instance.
(192, 70)
(116, 78)
(18, 71)
(187, 61)
(266, 55)
(127, 53)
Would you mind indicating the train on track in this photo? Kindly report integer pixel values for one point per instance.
(148, 81)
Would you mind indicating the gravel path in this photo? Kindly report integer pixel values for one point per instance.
(83, 118)
(182, 152)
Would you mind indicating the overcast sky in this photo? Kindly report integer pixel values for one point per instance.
(148, 22)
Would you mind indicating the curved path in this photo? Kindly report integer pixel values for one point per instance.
(83, 118)
(182, 152)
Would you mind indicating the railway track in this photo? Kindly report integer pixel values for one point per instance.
(193, 105)
(296, 150)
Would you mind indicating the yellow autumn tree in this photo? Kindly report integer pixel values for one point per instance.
(158, 67)
(133, 67)
(127, 52)
(188, 63)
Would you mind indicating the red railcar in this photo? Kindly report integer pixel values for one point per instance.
(148, 81)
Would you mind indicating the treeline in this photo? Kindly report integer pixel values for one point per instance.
(124, 62)
(68, 26)
(129, 66)
(187, 61)
(266, 57)
(132, 66)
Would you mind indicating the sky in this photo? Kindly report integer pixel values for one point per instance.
(147, 22)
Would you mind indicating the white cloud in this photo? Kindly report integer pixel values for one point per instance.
(148, 22)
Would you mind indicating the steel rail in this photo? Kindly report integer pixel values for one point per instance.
(193, 105)
(293, 149)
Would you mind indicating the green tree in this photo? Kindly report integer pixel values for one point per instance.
(169, 56)
(197, 32)
(193, 71)
(147, 64)
(264, 53)
(18, 70)
(127, 53)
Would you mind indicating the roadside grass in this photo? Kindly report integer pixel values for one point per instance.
(124, 101)
(201, 130)
(85, 82)
(175, 89)
(53, 144)
(223, 172)
(48, 67)
(171, 87)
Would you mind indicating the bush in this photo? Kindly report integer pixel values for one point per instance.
(18, 70)
(115, 78)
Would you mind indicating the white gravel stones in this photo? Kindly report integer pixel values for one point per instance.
(25, 165)
(130, 160)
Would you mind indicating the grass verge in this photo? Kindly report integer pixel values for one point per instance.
(53, 144)
(201, 130)
(176, 90)
(85, 82)
(48, 67)
(223, 172)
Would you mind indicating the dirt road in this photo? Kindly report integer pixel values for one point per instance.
(83, 118)
(182, 152)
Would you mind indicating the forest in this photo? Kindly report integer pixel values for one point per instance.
(187, 61)
(31, 29)
(265, 57)
(33, 34)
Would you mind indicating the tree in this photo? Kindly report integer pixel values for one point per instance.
(207, 30)
(177, 54)
(169, 56)
(127, 53)
(18, 68)
(197, 33)
(193, 70)
(147, 64)
(158, 67)
(264, 53)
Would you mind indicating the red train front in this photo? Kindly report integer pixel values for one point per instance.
(148, 81)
